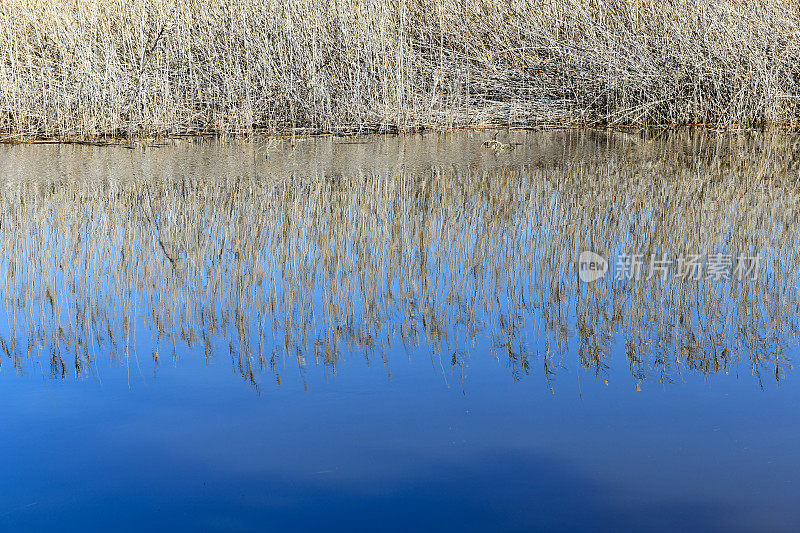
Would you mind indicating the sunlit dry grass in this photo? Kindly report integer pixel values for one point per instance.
(78, 69)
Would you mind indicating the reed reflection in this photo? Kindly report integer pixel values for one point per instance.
(458, 261)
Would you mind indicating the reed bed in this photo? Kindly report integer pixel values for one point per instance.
(457, 261)
(82, 69)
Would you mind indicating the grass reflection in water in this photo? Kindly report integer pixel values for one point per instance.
(308, 267)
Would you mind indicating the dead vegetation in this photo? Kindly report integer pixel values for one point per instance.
(83, 69)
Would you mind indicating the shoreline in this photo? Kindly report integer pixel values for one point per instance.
(310, 132)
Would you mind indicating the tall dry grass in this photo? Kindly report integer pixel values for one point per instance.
(86, 68)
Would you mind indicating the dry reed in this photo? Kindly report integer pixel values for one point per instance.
(78, 69)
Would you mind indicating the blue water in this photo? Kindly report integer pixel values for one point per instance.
(392, 437)
(358, 451)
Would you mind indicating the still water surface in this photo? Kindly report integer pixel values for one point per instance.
(392, 333)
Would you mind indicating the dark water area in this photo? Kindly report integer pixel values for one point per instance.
(402, 332)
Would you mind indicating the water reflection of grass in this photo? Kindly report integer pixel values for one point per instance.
(309, 269)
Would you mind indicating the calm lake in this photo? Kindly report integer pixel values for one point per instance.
(402, 332)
